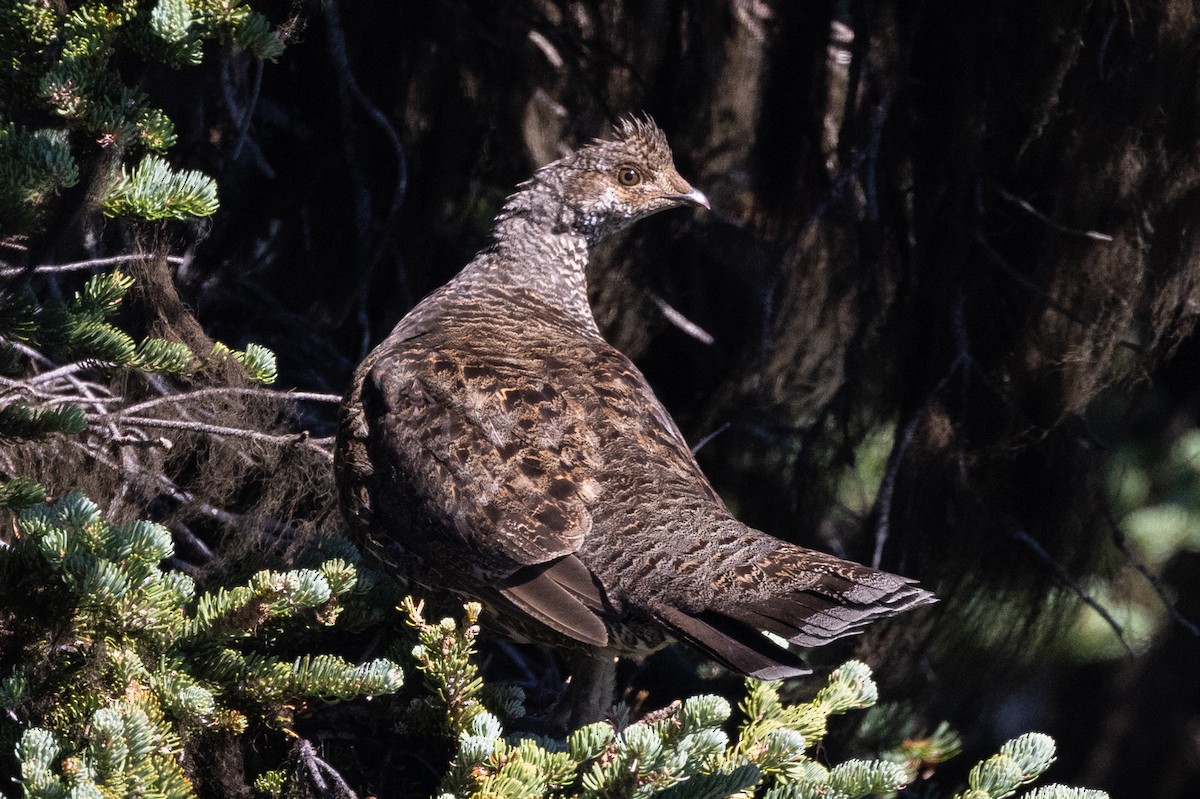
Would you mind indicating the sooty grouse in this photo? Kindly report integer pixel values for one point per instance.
(497, 445)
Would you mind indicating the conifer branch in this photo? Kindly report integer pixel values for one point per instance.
(160, 673)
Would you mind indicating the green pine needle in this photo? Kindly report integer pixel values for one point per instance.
(163, 357)
(34, 167)
(154, 676)
(20, 493)
(20, 421)
(152, 190)
(258, 361)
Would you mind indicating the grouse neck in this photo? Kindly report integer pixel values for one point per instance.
(533, 256)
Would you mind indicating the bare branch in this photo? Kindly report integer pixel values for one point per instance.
(78, 266)
(62, 371)
(318, 770)
(680, 321)
(172, 490)
(702, 443)
(220, 430)
(27, 351)
(267, 393)
(1024, 205)
(1118, 534)
(887, 488)
(194, 542)
(1019, 533)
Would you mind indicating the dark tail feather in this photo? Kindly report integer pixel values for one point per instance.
(739, 647)
(805, 623)
(563, 595)
(809, 618)
(813, 599)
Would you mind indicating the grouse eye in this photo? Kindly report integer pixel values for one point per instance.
(629, 175)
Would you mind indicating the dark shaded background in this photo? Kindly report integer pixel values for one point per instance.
(950, 270)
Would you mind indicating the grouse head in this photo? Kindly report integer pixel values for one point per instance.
(608, 184)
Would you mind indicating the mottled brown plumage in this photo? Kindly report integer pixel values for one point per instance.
(496, 445)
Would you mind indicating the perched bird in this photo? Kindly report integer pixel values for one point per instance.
(495, 444)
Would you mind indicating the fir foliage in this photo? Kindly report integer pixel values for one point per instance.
(80, 330)
(20, 493)
(918, 752)
(21, 421)
(1018, 762)
(443, 654)
(152, 190)
(258, 361)
(34, 167)
(143, 664)
(1056, 791)
(61, 62)
(685, 751)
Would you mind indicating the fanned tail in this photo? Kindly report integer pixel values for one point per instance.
(805, 597)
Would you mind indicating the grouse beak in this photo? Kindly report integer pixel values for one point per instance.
(694, 197)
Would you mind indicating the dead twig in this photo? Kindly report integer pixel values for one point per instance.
(78, 266)
(318, 770)
(1160, 589)
(172, 490)
(264, 393)
(680, 321)
(702, 443)
(1024, 205)
(1060, 571)
(219, 430)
